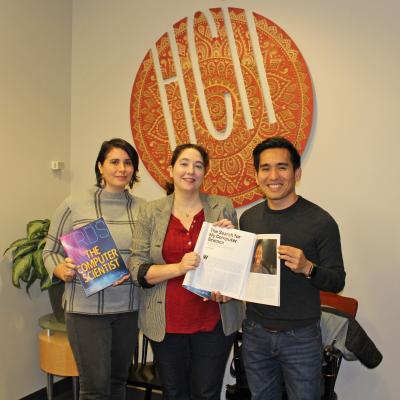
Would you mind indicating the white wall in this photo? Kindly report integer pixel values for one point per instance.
(350, 165)
(35, 66)
(349, 168)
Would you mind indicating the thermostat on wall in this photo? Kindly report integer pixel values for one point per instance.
(57, 165)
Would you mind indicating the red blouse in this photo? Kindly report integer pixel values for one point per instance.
(185, 311)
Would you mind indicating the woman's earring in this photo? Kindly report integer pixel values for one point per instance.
(102, 183)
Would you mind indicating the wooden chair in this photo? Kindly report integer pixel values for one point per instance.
(143, 374)
(342, 303)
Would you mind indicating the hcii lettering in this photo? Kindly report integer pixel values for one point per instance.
(178, 77)
(225, 78)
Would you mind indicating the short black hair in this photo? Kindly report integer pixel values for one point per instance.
(276, 142)
(122, 144)
(169, 186)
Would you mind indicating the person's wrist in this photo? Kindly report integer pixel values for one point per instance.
(311, 271)
(178, 270)
(58, 271)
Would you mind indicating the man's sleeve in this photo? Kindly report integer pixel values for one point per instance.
(330, 274)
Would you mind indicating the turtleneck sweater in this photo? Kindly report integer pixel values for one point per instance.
(119, 211)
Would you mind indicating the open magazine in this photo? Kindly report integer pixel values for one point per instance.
(238, 264)
(98, 260)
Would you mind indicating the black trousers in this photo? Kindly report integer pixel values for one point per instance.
(103, 347)
(192, 366)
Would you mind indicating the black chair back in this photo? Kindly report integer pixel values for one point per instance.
(143, 373)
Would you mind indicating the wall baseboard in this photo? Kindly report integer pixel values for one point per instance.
(65, 385)
(62, 386)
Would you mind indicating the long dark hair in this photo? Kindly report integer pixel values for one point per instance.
(122, 144)
(169, 186)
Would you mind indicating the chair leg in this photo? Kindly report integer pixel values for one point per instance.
(75, 387)
(49, 387)
(148, 394)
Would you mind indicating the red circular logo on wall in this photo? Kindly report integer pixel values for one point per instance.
(225, 78)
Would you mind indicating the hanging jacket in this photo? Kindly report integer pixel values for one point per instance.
(349, 337)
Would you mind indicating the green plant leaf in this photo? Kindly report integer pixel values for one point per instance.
(19, 268)
(39, 234)
(31, 280)
(26, 275)
(45, 283)
(37, 228)
(39, 264)
(16, 243)
(42, 243)
(27, 261)
(29, 247)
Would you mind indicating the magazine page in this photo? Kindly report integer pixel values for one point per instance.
(98, 260)
(188, 282)
(263, 285)
(225, 260)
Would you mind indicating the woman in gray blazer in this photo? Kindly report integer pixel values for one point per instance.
(191, 338)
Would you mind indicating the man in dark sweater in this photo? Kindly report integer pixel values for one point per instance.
(282, 345)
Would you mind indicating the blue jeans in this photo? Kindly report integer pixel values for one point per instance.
(192, 366)
(103, 347)
(276, 360)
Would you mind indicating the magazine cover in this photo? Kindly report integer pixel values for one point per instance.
(98, 260)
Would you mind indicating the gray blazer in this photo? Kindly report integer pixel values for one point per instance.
(147, 244)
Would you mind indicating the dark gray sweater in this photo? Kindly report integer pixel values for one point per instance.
(308, 227)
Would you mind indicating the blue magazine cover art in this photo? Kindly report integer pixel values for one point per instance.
(98, 261)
